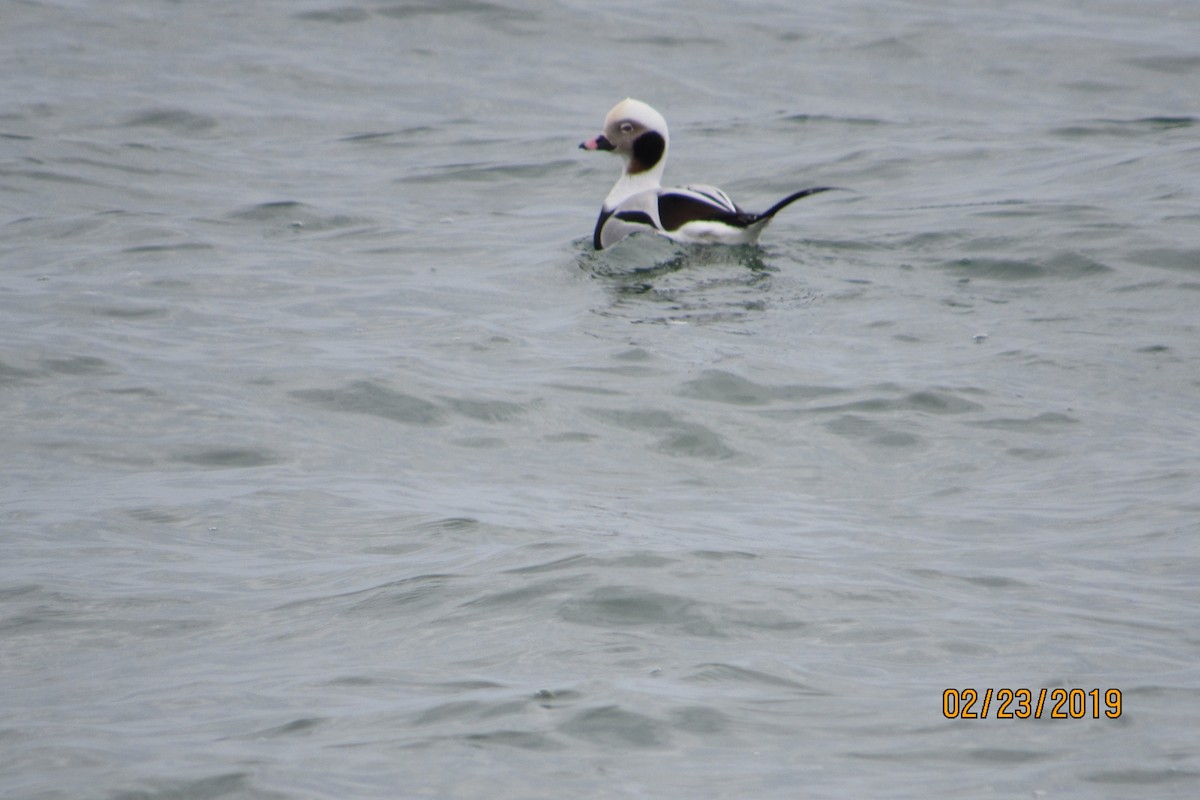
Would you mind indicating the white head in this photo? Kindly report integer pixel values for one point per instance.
(638, 134)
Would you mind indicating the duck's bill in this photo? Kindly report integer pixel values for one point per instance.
(599, 143)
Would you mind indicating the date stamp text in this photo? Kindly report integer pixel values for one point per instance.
(1031, 703)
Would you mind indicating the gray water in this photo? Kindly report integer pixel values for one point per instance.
(336, 464)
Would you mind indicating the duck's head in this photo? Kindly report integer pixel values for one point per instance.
(637, 133)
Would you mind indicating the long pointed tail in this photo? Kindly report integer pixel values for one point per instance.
(791, 198)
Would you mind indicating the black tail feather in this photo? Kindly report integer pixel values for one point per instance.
(791, 198)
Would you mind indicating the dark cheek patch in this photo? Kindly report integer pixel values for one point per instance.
(647, 152)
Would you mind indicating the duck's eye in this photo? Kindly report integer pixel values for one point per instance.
(626, 127)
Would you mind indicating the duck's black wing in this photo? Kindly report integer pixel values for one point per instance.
(677, 207)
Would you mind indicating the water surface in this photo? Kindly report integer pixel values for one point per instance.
(337, 465)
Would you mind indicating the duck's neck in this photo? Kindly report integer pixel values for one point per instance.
(632, 183)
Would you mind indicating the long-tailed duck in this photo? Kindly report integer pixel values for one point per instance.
(639, 202)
